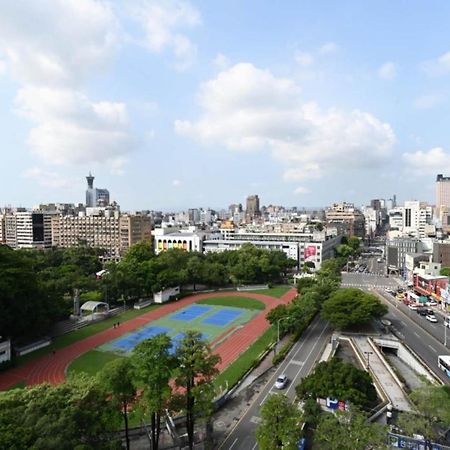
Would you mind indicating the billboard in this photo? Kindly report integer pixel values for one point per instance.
(310, 252)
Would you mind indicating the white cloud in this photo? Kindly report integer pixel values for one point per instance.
(57, 41)
(301, 190)
(177, 183)
(328, 48)
(429, 101)
(162, 22)
(249, 109)
(304, 59)
(388, 71)
(221, 61)
(70, 129)
(431, 162)
(52, 47)
(47, 178)
(437, 67)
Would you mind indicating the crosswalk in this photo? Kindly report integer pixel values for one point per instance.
(367, 285)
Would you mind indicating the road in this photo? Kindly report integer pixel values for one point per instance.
(425, 338)
(298, 364)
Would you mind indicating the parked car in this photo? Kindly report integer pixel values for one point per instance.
(413, 306)
(281, 381)
(406, 301)
(431, 318)
(431, 303)
(447, 321)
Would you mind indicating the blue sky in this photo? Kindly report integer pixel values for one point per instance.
(175, 104)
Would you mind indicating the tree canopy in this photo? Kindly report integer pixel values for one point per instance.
(350, 307)
(349, 431)
(280, 426)
(339, 380)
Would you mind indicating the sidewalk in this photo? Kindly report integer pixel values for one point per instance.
(384, 377)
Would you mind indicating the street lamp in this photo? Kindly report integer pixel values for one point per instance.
(445, 334)
(368, 356)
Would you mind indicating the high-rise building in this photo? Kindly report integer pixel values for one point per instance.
(26, 229)
(106, 229)
(95, 196)
(442, 193)
(347, 219)
(252, 208)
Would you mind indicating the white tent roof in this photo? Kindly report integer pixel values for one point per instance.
(91, 305)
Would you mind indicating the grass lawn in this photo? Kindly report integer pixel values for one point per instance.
(82, 333)
(233, 373)
(237, 302)
(91, 362)
(277, 291)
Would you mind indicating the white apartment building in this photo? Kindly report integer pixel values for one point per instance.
(413, 219)
(26, 229)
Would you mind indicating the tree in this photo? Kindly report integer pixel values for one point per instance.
(74, 414)
(350, 307)
(194, 269)
(346, 430)
(194, 375)
(340, 380)
(117, 380)
(445, 271)
(280, 424)
(433, 417)
(154, 364)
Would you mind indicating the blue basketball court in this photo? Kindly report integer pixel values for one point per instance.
(190, 313)
(222, 318)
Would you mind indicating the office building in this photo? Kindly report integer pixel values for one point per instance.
(442, 193)
(252, 209)
(346, 219)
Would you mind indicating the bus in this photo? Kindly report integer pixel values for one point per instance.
(444, 364)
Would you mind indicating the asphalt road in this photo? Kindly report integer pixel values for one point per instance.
(425, 338)
(298, 364)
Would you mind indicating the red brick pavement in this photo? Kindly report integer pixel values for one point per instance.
(52, 368)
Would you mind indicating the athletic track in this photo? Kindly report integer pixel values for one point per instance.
(51, 368)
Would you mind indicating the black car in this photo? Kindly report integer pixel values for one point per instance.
(422, 311)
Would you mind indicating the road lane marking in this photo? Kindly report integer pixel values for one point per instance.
(264, 399)
(306, 359)
(403, 323)
(234, 442)
(295, 362)
(253, 448)
(432, 348)
(416, 334)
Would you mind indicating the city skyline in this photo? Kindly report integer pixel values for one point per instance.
(182, 104)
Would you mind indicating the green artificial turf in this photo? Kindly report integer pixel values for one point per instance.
(92, 362)
(277, 291)
(237, 302)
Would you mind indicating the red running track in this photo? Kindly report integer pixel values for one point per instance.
(52, 368)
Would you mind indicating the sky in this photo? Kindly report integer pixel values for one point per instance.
(174, 104)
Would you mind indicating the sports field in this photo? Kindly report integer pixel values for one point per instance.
(212, 321)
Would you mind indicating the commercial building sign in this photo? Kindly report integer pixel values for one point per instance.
(310, 252)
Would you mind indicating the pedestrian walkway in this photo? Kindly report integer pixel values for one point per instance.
(377, 367)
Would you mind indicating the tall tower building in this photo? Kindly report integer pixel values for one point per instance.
(252, 207)
(95, 196)
(442, 194)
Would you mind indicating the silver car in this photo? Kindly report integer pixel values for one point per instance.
(281, 381)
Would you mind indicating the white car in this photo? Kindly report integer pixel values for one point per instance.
(431, 318)
(412, 306)
(281, 381)
(431, 303)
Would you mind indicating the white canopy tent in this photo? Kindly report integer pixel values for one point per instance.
(94, 307)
